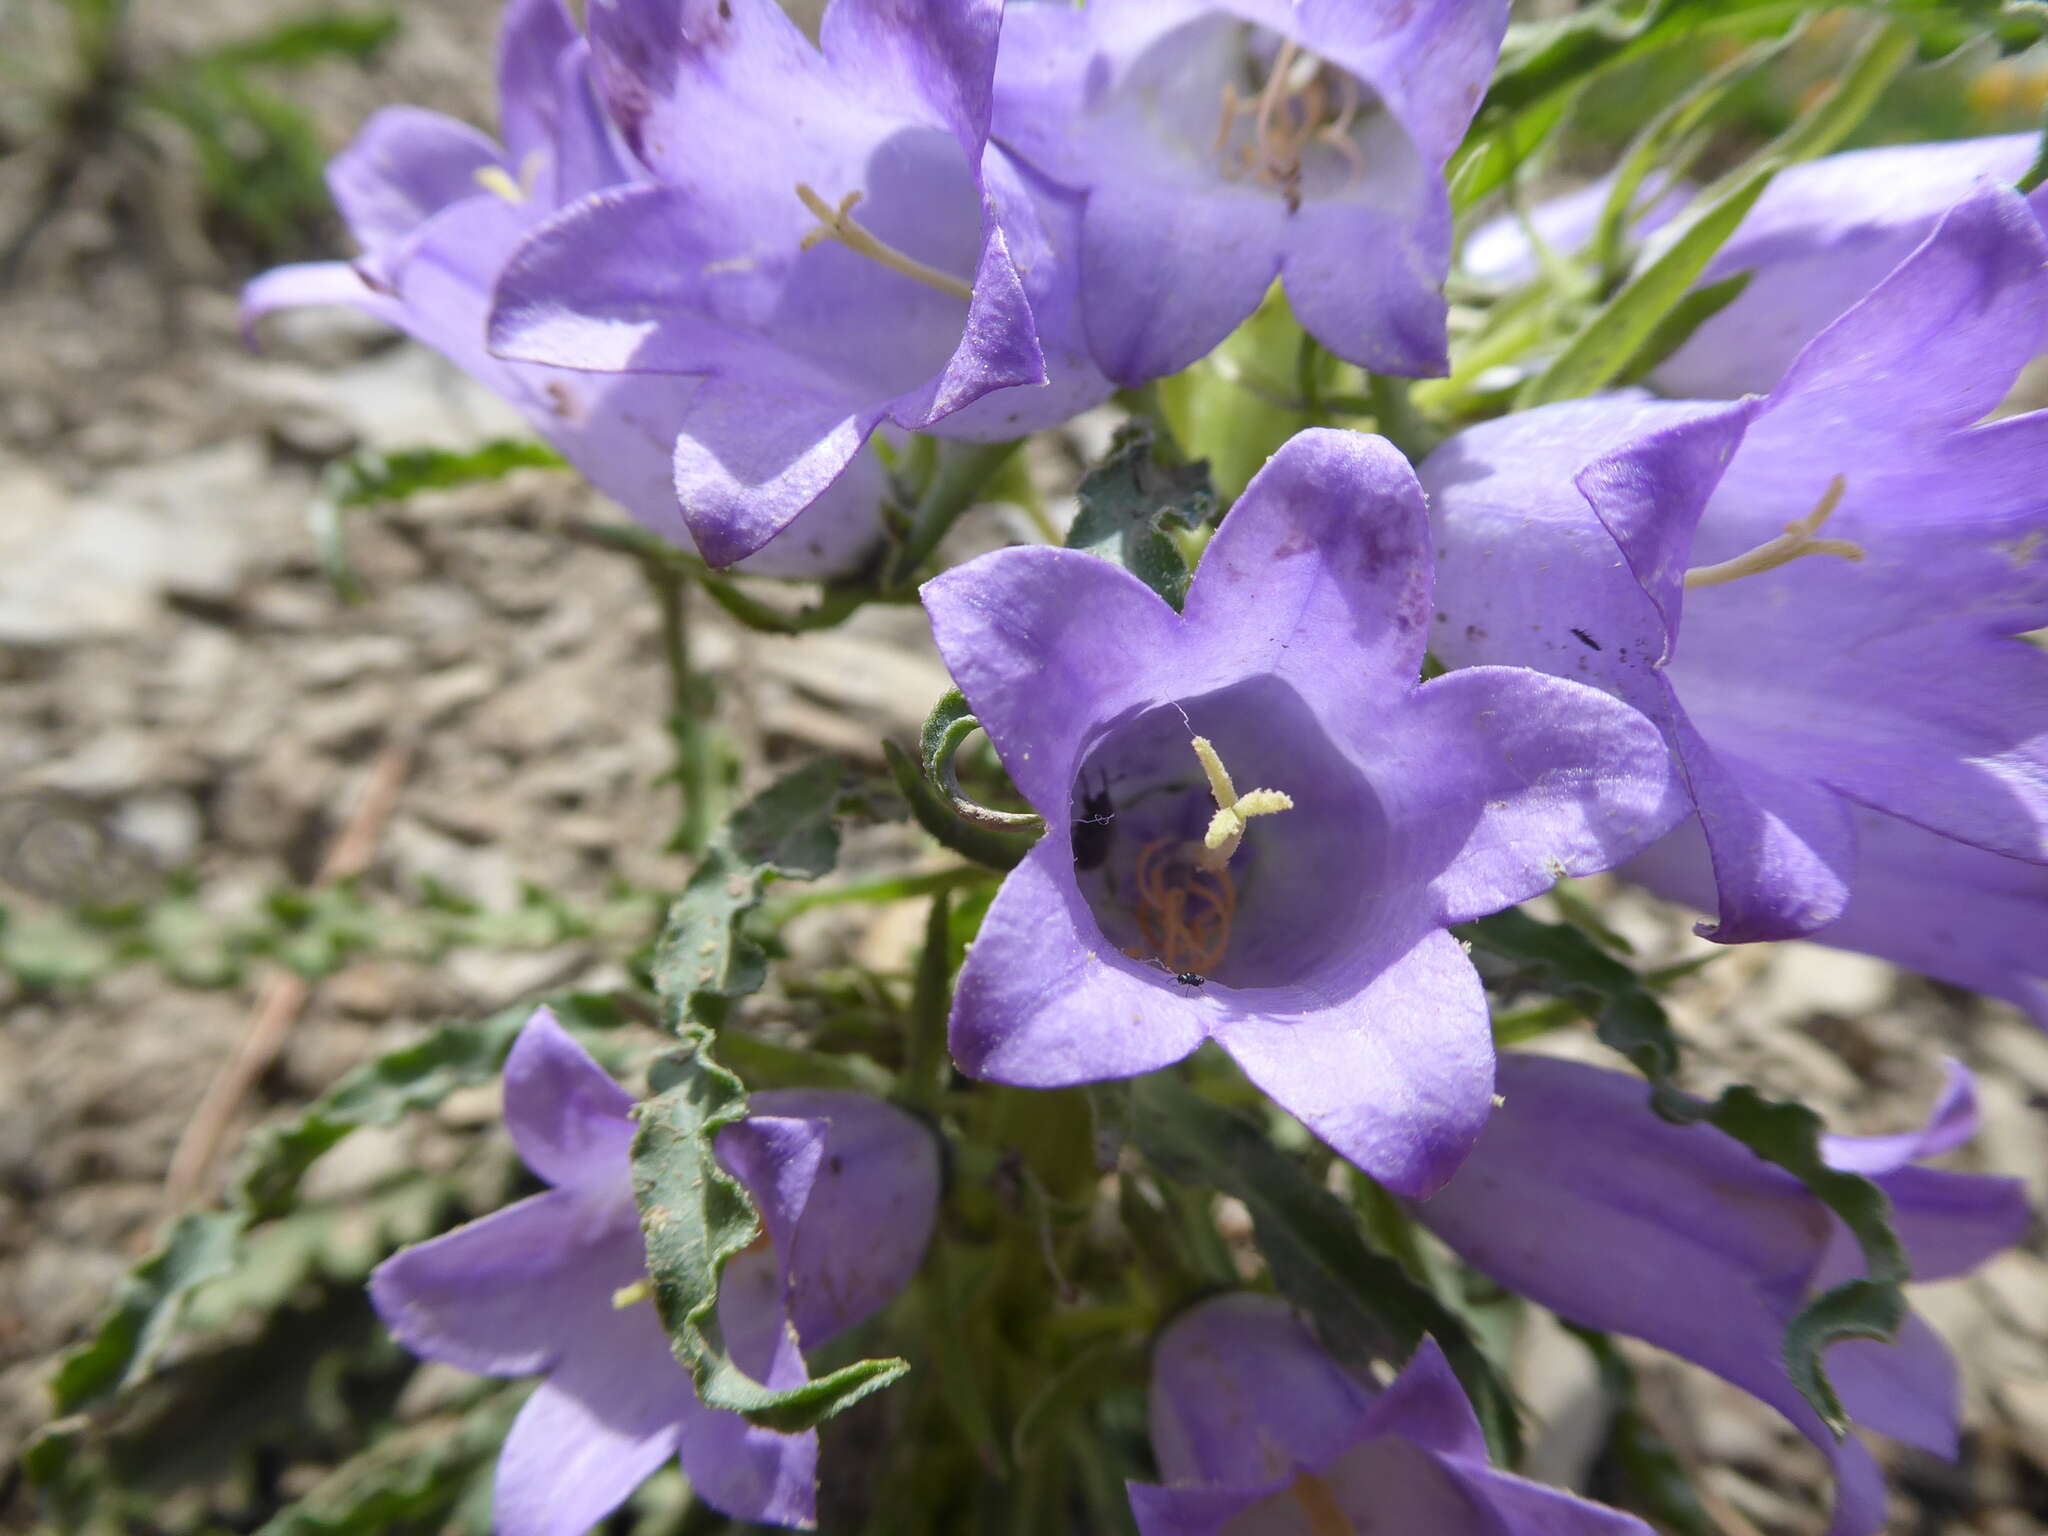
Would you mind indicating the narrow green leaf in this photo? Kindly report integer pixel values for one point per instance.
(1684, 319)
(1363, 1302)
(1789, 1135)
(365, 478)
(1561, 960)
(696, 1218)
(1126, 502)
(144, 1312)
(1603, 350)
(355, 35)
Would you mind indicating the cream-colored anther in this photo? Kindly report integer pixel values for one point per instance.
(632, 1295)
(1296, 107)
(1226, 827)
(839, 224)
(1796, 542)
(495, 178)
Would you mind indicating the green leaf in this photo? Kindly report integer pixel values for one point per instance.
(1678, 326)
(1126, 502)
(144, 1313)
(1363, 1302)
(366, 478)
(1789, 1135)
(792, 827)
(696, 1218)
(1612, 339)
(409, 1480)
(356, 35)
(380, 1092)
(995, 838)
(1561, 960)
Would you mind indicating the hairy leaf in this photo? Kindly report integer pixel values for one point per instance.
(144, 1313)
(1363, 1302)
(696, 1218)
(1126, 502)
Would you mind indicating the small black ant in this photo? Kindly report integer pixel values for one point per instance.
(1092, 830)
(1586, 639)
(1190, 979)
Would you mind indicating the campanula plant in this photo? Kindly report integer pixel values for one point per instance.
(950, 1226)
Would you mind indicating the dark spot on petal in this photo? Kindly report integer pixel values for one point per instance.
(835, 1162)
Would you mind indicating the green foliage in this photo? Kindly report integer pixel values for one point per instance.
(139, 1324)
(312, 932)
(1564, 961)
(1604, 349)
(1128, 500)
(697, 1218)
(1364, 1304)
(997, 839)
(381, 1091)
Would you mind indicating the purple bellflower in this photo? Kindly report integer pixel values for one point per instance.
(1258, 1432)
(438, 209)
(825, 244)
(1222, 146)
(847, 1188)
(1824, 233)
(1818, 596)
(1300, 924)
(1582, 1199)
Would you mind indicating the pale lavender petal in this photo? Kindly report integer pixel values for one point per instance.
(937, 52)
(1515, 780)
(495, 1296)
(1907, 1390)
(1243, 1394)
(1425, 1404)
(1525, 1508)
(866, 1215)
(312, 282)
(1169, 268)
(405, 166)
(1191, 1511)
(1366, 280)
(1042, 642)
(532, 38)
(1938, 342)
(1395, 1072)
(1044, 1001)
(1951, 1122)
(751, 1474)
(1320, 575)
(571, 1122)
(1953, 1222)
(613, 1410)
(1823, 234)
(1921, 901)
(777, 1158)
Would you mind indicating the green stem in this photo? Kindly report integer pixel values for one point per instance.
(1146, 401)
(957, 480)
(698, 756)
(1398, 420)
(925, 1062)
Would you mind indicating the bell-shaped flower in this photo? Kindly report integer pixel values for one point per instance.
(1219, 146)
(847, 1188)
(1261, 824)
(826, 243)
(1817, 595)
(439, 208)
(1824, 233)
(1584, 1200)
(1258, 1432)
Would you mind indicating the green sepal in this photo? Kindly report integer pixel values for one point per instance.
(1128, 500)
(696, 1218)
(1363, 1302)
(998, 839)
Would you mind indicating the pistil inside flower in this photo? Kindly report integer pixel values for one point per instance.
(1186, 874)
(837, 223)
(1795, 543)
(1292, 112)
